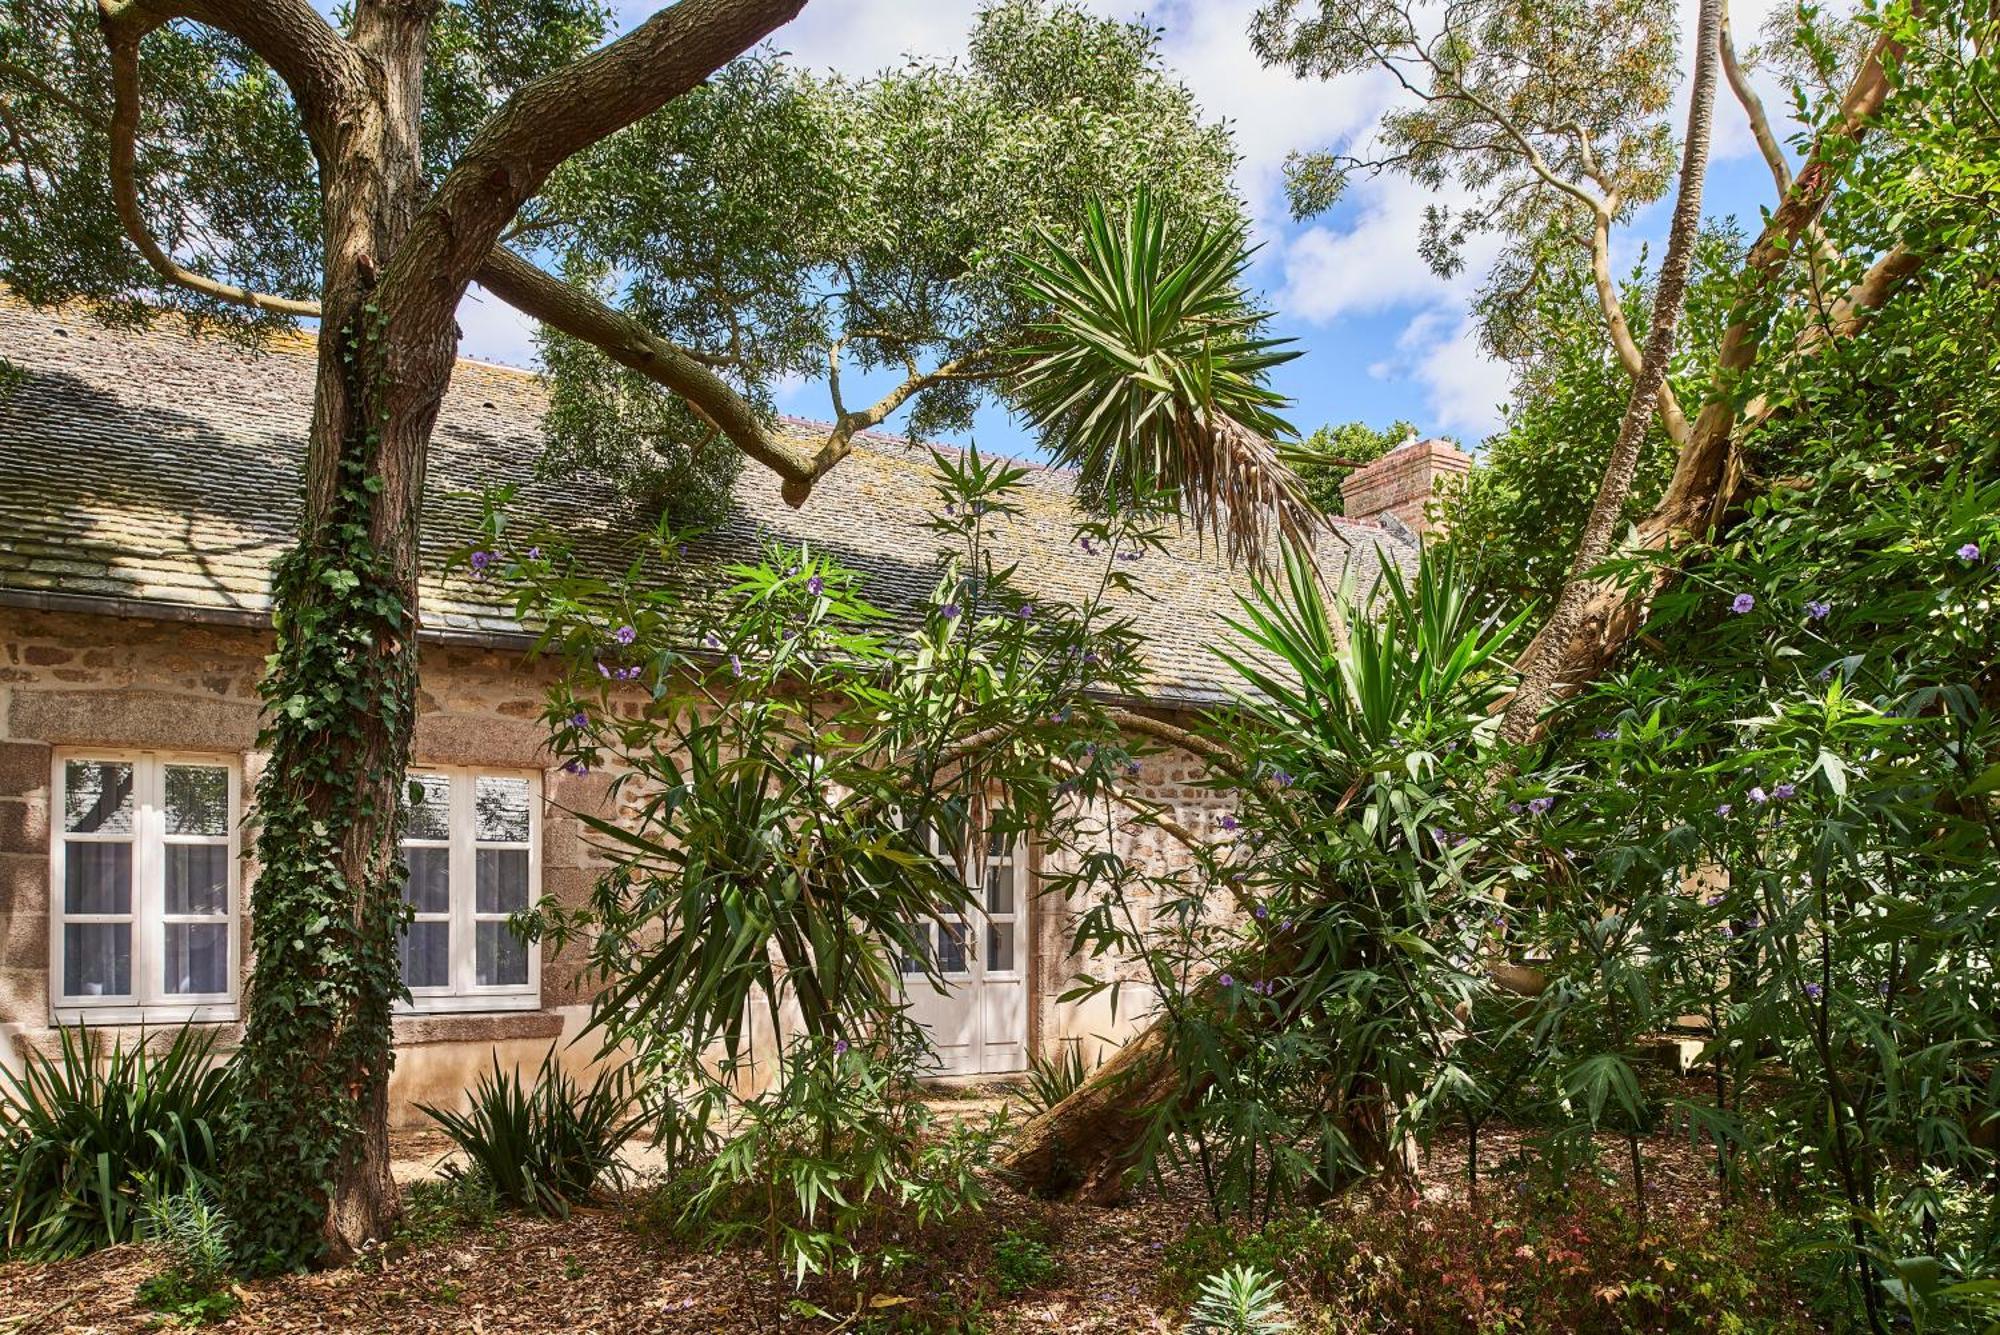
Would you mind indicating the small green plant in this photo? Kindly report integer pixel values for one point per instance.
(542, 1148)
(196, 1244)
(443, 1208)
(1053, 1079)
(86, 1138)
(1022, 1261)
(1241, 1300)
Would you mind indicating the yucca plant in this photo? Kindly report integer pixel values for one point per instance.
(87, 1138)
(543, 1147)
(1053, 1079)
(1149, 376)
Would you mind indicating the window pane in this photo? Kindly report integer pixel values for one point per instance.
(428, 889)
(428, 802)
(97, 797)
(1000, 946)
(951, 946)
(912, 964)
(97, 878)
(197, 878)
(500, 808)
(97, 959)
(503, 880)
(503, 957)
(1000, 888)
(197, 799)
(427, 954)
(197, 957)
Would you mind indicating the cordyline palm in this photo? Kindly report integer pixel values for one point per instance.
(1148, 377)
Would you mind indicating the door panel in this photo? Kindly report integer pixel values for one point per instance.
(979, 1022)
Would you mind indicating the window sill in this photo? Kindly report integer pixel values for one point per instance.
(129, 1013)
(414, 1029)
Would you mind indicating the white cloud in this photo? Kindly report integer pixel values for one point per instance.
(493, 331)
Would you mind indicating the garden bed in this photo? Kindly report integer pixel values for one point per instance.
(1020, 1265)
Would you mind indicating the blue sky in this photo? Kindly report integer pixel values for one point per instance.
(1382, 337)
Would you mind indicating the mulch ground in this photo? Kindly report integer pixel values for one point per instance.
(602, 1271)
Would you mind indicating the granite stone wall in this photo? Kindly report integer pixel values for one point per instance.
(70, 679)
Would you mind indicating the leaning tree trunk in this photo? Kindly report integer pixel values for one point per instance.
(313, 1162)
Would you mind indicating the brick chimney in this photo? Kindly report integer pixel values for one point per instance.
(1402, 482)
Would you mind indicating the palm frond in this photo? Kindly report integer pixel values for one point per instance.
(1149, 376)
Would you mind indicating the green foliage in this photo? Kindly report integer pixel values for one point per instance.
(1521, 510)
(88, 1138)
(1524, 1262)
(1053, 1079)
(824, 1168)
(1239, 1301)
(198, 1247)
(441, 1208)
(812, 791)
(339, 703)
(786, 224)
(1314, 459)
(1022, 1261)
(1149, 376)
(542, 1147)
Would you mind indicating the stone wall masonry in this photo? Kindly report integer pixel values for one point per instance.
(76, 680)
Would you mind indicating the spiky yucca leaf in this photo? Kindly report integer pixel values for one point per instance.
(1150, 377)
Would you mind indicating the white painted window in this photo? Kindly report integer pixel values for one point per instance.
(145, 887)
(473, 848)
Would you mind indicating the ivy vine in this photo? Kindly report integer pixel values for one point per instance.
(340, 697)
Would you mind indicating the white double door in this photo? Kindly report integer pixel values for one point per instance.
(978, 1023)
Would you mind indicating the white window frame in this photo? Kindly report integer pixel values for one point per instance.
(463, 994)
(149, 1001)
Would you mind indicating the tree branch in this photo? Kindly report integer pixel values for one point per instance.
(322, 71)
(1671, 417)
(123, 130)
(1753, 110)
(1699, 490)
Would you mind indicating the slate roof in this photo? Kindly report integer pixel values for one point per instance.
(165, 469)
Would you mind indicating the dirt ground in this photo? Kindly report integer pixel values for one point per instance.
(603, 1272)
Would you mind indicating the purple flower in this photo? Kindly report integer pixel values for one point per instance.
(1516, 808)
(1027, 612)
(1539, 806)
(602, 670)
(1724, 809)
(709, 641)
(1784, 792)
(1084, 542)
(534, 553)
(1728, 931)
(1260, 912)
(1712, 900)
(576, 767)
(1815, 991)
(1132, 769)
(1226, 980)
(840, 1047)
(1228, 821)
(681, 549)
(1605, 734)
(625, 634)
(1742, 603)
(735, 665)
(1281, 778)
(1758, 796)
(632, 673)
(1817, 611)
(579, 720)
(1969, 553)
(948, 611)
(815, 586)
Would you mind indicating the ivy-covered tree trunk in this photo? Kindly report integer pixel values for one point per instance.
(311, 1168)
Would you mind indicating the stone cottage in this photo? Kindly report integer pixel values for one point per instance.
(147, 481)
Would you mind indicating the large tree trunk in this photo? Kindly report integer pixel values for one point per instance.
(342, 700)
